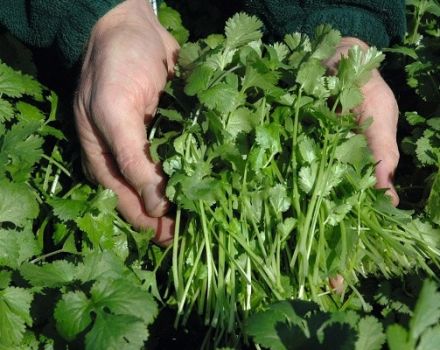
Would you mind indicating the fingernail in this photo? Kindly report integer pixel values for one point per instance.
(155, 203)
(393, 194)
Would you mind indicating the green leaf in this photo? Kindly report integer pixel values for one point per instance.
(430, 339)
(17, 247)
(433, 204)
(121, 297)
(242, 29)
(72, 314)
(355, 152)
(279, 199)
(50, 275)
(171, 20)
(371, 336)
(426, 153)
(309, 74)
(116, 332)
(6, 111)
(325, 43)
(307, 177)
(397, 338)
(427, 310)
(15, 304)
(16, 84)
(308, 149)
(199, 80)
(99, 229)
(66, 209)
(240, 120)
(222, 97)
(101, 265)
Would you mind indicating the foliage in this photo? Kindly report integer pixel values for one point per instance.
(63, 249)
(302, 325)
(274, 191)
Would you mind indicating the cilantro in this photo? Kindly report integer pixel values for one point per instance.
(274, 192)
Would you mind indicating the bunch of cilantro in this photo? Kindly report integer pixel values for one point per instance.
(274, 190)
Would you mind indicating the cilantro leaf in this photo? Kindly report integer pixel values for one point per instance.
(17, 247)
(123, 298)
(116, 332)
(371, 336)
(16, 84)
(242, 29)
(72, 314)
(53, 274)
(15, 306)
(427, 310)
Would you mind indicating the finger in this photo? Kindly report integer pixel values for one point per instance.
(125, 133)
(382, 139)
(130, 204)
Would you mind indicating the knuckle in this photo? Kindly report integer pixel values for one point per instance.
(128, 163)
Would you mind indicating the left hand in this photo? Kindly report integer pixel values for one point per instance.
(380, 104)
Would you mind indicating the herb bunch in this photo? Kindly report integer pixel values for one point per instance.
(274, 189)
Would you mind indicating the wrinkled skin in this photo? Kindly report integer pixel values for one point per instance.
(128, 60)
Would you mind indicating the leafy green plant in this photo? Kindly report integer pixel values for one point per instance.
(274, 190)
(302, 325)
(70, 268)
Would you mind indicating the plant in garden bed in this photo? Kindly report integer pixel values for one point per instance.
(274, 190)
(70, 268)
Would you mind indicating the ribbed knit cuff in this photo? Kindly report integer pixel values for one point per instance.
(355, 22)
(74, 32)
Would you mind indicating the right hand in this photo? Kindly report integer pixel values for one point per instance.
(127, 62)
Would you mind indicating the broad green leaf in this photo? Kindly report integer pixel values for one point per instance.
(66, 209)
(121, 297)
(397, 338)
(222, 97)
(309, 74)
(116, 332)
(15, 304)
(101, 265)
(171, 20)
(98, 228)
(72, 314)
(240, 120)
(242, 29)
(426, 153)
(326, 40)
(199, 80)
(427, 310)
(355, 152)
(17, 247)
(6, 111)
(308, 149)
(50, 275)
(279, 199)
(16, 84)
(307, 177)
(371, 336)
(430, 339)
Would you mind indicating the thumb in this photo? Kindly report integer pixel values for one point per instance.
(125, 134)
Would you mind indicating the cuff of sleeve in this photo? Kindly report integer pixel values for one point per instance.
(355, 22)
(75, 31)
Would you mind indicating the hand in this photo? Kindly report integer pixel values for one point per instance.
(380, 104)
(127, 62)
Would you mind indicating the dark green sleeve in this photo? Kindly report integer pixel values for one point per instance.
(65, 24)
(379, 23)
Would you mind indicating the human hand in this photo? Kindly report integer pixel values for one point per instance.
(127, 62)
(380, 104)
